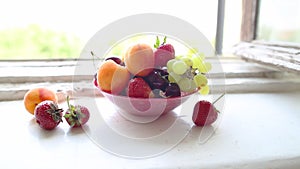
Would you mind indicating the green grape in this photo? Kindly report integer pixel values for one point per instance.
(192, 52)
(204, 67)
(184, 84)
(204, 90)
(201, 68)
(189, 56)
(179, 67)
(195, 53)
(200, 80)
(201, 55)
(208, 66)
(196, 62)
(187, 71)
(170, 65)
(187, 61)
(171, 79)
(174, 78)
(193, 86)
(178, 57)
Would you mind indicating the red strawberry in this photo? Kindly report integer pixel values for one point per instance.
(48, 115)
(163, 54)
(138, 87)
(205, 112)
(77, 115)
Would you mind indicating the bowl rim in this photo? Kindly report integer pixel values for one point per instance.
(186, 94)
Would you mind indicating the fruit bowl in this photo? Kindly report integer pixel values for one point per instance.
(147, 81)
(146, 106)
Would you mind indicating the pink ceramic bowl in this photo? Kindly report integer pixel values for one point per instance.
(146, 106)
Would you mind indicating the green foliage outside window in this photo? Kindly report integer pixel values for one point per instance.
(34, 42)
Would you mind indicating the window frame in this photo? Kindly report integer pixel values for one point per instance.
(250, 12)
(256, 78)
(284, 56)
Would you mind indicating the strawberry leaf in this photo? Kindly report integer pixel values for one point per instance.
(157, 43)
(55, 112)
(165, 40)
(67, 115)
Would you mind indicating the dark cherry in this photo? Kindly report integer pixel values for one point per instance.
(173, 90)
(162, 72)
(115, 59)
(95, 80)
(156, 81)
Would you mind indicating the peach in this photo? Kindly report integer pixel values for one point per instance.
(139, 59)
(112, 78)
(34, 96)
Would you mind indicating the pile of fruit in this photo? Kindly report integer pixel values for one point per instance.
(42, 103)
(144, 72)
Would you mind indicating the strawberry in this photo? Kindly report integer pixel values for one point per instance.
(48, 115)
(164, 52)
(138, 87)
(77, 115)
(205, 112)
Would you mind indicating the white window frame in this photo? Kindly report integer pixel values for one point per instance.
(280, 55)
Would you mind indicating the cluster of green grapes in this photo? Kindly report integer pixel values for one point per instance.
(189, 72)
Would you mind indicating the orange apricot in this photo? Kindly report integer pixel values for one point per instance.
(139, 59)
(36, 95)
(112, 78)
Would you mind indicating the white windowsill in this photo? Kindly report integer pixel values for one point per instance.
(258, 130)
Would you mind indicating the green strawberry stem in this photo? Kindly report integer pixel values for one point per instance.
(157, 42)
(165, 40)
(75, 115)
(68, 102)
(71, 107)
(218, 98)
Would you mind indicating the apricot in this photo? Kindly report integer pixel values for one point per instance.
(139, 59)
(35, 96)
(112, 78)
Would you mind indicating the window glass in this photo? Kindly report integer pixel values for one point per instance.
(232, 25)
(279, 20)
(35, 29)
